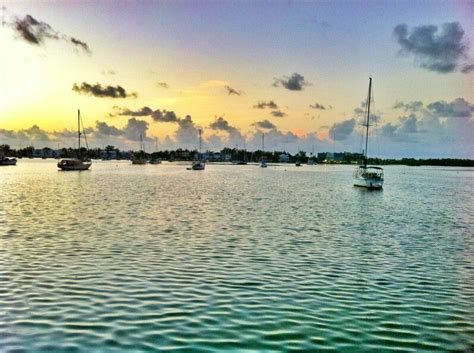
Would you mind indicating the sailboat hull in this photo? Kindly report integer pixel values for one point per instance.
(76, 165)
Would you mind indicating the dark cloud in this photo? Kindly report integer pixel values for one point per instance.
(264, 124)
(467, 68)
(81, 44)
(145, 111)
(104, 129)
(220, 124)
(36, 32)
(231, 90)
(97, 90)
(403, 131)
(295, 82)
(278, 113)
(341, 131)
(458, 108)
(163, 85)
(413, 106)
(164, 116)
(435, 49)
(264, 105)
(317, 106)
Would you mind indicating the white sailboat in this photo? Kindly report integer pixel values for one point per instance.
(198, 164)
(263, 161)
(155, 160)
(79, 163)
(370, 177)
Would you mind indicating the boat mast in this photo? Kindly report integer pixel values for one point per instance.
(263, 142)
(368, 119)
(79, 129)
(200, 140)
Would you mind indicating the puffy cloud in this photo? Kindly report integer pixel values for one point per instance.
(467, 68)
(342, 130)
(220, 124)
(264, 105)
(145, 111)
(97, 90)
(278, 113)
(135, 128)
(264, 124)
(36, 32)
(413, 106)
(186, 136)
(295, 82)
(459, 108)
(104, 129)
(438, 49)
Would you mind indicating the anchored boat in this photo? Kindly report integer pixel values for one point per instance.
(370, 177)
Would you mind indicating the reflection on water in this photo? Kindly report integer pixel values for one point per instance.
(143, 258)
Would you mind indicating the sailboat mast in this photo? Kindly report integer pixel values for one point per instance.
(79, 129)
(263, 142)
(200, 140)
(368, 120)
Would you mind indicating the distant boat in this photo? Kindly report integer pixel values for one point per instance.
(298, 164)
(140, 159)
(263, 161)
(155, 160)
(368, 176)
(7, 161)
(198, 164)
(77, 163)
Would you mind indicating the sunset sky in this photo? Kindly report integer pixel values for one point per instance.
(297, 71)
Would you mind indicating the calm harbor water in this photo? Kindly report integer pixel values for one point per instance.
(142, 258)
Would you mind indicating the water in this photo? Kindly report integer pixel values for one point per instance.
(154, 258)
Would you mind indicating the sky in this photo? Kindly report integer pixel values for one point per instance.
(295, 71)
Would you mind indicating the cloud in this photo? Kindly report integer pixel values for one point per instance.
(36, 32)
(135, 128)
(437, 49)
(97, 90)
(342, 130)
(145, 111)
(317, 106)
(295, 82)
(164, 116)
(231, 90)
(163, 85)
(413, 106)
(458, 108)
(467, 68)
(264, 124)
(104, 129)
(220, 124)
(264, 105)
(278, 113)
(186, 136)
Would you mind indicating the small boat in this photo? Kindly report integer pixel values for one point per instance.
(77, 163)
(139, 158)
(155, 161)
(7, 161)
(370, 177)
(198, 164)
(263, 163)
(298, 164)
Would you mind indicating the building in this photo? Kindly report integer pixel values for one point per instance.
(284, 158)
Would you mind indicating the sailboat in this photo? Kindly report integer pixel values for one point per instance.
(4, 160)
(155, 160)
(78, 163)
(198, 164)
(368, 176)
(140, 159)
(263, 161)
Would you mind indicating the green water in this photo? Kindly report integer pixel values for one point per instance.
(128, 258)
